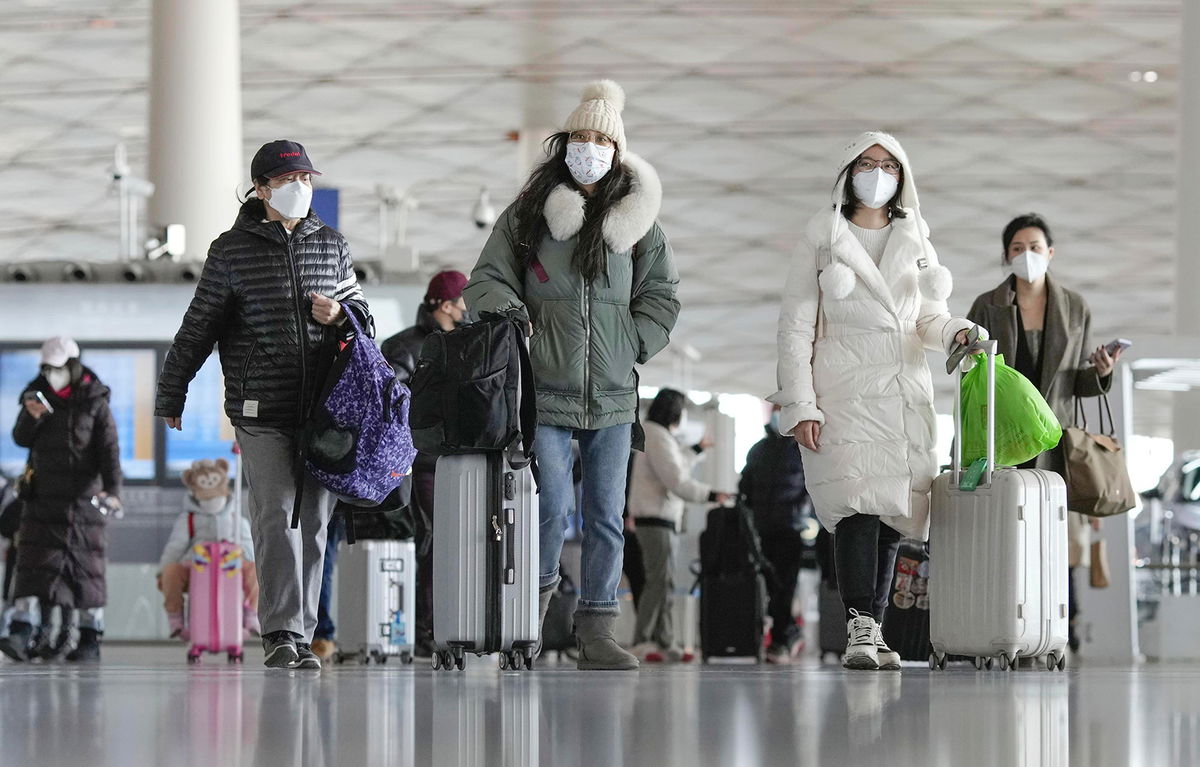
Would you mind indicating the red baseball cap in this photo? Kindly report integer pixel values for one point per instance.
(446, 286)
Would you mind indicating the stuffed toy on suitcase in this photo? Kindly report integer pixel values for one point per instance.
(209, 533)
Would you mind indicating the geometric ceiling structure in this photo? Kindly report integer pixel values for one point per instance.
(742, 107)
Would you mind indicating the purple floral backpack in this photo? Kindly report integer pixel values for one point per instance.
(357, 443)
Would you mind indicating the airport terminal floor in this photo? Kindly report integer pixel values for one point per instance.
(143, 706)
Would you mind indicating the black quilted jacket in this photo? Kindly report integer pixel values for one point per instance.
(253, 303)
(404, 349)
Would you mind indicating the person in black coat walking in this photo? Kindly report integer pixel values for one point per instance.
(772, 486)
(269, 288)
(442, 310)
(75, 482)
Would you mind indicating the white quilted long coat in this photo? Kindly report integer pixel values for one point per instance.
(866, 378)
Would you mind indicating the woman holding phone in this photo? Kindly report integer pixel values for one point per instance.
(1044, 331)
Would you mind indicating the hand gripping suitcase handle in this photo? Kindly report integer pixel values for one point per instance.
(989, 348)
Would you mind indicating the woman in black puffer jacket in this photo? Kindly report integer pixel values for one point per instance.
(75, 458)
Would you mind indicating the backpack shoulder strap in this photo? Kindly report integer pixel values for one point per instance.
(191, 525)
(528, 399)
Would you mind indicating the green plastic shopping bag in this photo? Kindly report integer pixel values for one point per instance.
(1026, 427)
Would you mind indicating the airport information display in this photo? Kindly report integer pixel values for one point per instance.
(129, 373)
(132, 374)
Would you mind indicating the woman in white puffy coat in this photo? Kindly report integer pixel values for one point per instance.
(864, 299)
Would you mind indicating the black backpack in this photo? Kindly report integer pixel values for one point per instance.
(473, 390)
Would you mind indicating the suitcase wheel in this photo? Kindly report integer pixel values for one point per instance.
(193, 657)
(1056, 662)
(937, 662)
(1008, 662)
(515, 660)
(406, 658)
(437, 660)
(235, 657)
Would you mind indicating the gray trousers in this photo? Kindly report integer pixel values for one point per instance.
(655, 612)
(289, 562)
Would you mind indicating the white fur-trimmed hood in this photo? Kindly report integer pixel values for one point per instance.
(627, 221)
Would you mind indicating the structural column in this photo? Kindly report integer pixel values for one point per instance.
(195, 148)
(1187, 253)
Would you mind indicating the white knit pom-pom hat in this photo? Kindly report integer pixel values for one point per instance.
(600, 110)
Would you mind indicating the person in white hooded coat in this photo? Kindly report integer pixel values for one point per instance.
(865, 297)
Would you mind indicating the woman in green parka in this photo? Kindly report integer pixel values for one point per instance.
(581, 256)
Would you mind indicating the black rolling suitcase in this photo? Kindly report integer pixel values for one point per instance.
(906, 624)
(733, 589)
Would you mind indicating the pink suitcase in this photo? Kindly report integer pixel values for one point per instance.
(215, 591)
(998, 560)
(215, 601)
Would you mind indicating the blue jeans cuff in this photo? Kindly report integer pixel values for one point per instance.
(548, 580)
(599, 608)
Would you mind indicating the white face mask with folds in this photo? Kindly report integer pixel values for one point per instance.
(212, 505)
(588, 162)
(292, 200)
(875, 188)
(1030, 266)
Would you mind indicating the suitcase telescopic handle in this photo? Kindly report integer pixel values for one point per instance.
(989, 348)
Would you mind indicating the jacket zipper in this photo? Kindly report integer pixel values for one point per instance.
(302, 337)
(587, 353)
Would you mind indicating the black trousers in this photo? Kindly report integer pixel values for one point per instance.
(783, 548)
(634, 570)
(422, 512)
(865, 556)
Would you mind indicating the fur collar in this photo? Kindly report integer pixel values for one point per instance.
(627, 221)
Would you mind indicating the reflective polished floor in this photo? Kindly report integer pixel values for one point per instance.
(144, 706)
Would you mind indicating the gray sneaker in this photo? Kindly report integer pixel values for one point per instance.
(306, 659)
(280, 647)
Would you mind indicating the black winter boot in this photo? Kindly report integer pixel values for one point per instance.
(50, 649)
(88, 649)
(16, 644)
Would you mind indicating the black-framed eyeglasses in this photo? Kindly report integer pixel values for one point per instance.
(866, 164)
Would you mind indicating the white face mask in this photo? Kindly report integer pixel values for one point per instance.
(588, 163)
(212, 505)
(292, 200)
(875, 188)
(1030, 266)
(58, 378)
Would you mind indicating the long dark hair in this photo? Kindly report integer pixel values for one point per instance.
(667, 408)
(852, 205)
(590, 258)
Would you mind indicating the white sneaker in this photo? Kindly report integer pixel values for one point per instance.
(861, 651)
(889, 659)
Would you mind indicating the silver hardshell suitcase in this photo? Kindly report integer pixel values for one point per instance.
(376, 601)
(998, 559)
(485, 555)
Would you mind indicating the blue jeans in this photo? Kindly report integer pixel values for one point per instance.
(337, 531)
(605, 457)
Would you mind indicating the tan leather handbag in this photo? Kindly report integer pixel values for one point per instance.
(1097, 479)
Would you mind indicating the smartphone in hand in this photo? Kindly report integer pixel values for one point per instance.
(1117, 344)
(37, 396)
